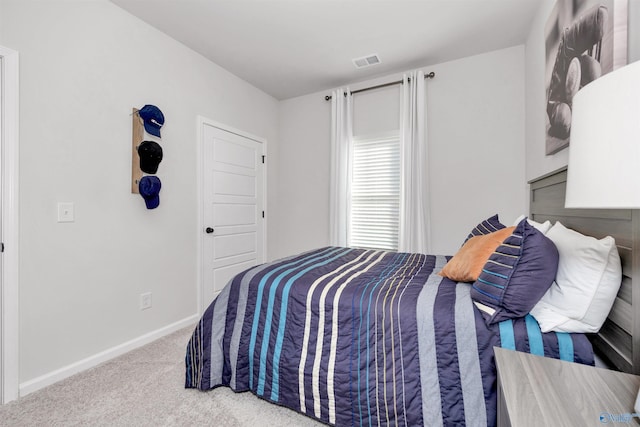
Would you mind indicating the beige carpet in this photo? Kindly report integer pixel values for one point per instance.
(144, 388)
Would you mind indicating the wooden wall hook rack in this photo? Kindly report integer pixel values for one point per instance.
(137, 138)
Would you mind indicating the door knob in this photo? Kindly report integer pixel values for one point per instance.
(208, 230)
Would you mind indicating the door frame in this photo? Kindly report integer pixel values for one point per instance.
(9, 127)
(202, 122)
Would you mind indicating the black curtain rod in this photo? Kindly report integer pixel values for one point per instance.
(426, 76)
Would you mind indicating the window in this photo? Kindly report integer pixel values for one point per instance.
(375, 192)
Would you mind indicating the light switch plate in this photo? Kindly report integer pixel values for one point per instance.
(66, 212)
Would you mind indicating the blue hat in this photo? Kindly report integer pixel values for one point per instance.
(153, 119)
(149, 187)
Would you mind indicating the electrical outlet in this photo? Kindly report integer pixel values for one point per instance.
(145, 301)
(66, 212)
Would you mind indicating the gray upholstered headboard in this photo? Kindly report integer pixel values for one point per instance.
(619, 339)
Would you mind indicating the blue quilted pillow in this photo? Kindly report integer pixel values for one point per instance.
(516, 275)
(487, 226)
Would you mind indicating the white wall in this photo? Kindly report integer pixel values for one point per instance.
(537, 162)
(476, 144)
(303, 176)
(376, 111)
(83, 66)
(476, 147)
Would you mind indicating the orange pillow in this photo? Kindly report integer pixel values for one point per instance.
(467, 264)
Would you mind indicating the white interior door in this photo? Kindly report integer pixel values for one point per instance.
(233, 216)
(9, 226)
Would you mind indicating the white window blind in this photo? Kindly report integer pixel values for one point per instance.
(375, 193)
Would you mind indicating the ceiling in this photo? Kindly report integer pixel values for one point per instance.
(289, 48)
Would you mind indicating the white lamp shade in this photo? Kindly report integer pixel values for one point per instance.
(604, 151)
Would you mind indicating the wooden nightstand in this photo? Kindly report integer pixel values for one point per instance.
(539, 391)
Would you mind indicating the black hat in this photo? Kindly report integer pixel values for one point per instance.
(150, 153)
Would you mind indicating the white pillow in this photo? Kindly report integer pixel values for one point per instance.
(542, 227)
(587, 282)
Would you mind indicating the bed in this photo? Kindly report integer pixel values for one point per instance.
(364, 337)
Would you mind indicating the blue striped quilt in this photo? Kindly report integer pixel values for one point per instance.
(362, 337)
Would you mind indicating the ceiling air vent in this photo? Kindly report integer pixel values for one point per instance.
(367, 61)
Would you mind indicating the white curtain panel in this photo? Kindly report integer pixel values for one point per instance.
(414, 235)
(341, 135)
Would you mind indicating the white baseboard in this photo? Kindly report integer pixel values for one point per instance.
(82, 365)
